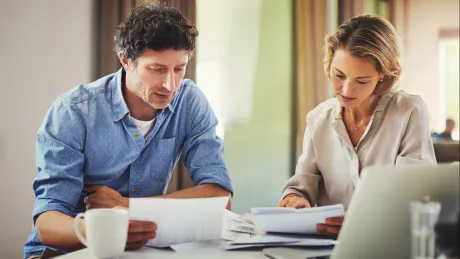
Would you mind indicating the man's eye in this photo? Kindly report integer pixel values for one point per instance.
(158, 70)
(178, 70)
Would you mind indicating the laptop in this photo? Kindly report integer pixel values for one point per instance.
(377, 224)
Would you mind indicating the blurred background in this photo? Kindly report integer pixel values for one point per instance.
(259, 63)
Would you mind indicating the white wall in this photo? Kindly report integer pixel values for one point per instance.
(45, 50)
(421, 73)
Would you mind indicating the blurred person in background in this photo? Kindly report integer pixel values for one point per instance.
(447, 134)
(119, 137)
(367, 123)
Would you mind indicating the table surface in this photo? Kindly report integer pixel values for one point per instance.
(154, 253)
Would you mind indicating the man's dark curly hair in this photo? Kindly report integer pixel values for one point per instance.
(156, 27)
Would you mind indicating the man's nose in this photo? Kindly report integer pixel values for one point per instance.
(169, 82)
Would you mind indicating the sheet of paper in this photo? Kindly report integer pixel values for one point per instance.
(285, 238)
(235, 236)
(233, 222)
(202, 246)
(293, 244)
(283, 210)
(279, 241)
(230, 215)
(233, 227)
(180, 220)
(288, 220)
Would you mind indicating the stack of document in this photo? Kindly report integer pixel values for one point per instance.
(183, 221)
(234, 228)
(270, 240)
(290, 220)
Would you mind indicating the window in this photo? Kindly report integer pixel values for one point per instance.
(449, 81)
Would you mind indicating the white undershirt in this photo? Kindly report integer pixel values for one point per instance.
(144, 126)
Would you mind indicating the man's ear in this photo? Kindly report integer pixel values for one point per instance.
(123, 61)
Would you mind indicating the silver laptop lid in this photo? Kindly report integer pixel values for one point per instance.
(377, 224)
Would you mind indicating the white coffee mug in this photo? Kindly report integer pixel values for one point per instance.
(106, 231)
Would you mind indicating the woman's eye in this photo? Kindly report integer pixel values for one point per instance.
(362, 83)
(340, 76)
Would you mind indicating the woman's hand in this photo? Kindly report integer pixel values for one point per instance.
(331, 227)
(294, 201)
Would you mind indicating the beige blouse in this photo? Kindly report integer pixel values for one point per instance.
(328, 170)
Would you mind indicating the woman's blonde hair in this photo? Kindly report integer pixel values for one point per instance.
(368, 36)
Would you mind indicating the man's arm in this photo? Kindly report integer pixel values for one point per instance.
(305, 182)
(59, 182)
(105, 197)
(64, 238)
(203, 150)
(55, 229)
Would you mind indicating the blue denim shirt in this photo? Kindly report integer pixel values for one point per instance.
(89, 138)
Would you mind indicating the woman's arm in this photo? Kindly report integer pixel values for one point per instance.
(416, 145)
(307, 177)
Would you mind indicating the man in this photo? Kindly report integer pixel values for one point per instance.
(120, 136)
(447, 134)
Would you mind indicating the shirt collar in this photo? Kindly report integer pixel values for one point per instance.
(119, 107)
(380, 105)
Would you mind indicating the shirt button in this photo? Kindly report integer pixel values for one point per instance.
(136, 135)
(134, 190)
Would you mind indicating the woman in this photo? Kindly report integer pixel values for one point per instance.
(368, 123)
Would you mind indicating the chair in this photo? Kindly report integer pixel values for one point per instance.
(447, 151)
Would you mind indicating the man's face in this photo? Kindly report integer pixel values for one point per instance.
(450, 126)
(156, 76)
(354, 79)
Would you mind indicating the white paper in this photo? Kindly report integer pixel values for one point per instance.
(180, 220)
(202, 246)
(231, 222)
(289, 220)
(229, 216)
(279, 240)
(235, 236)
(290, 244)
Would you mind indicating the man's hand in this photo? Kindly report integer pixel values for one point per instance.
(331, 227)
(294, 201)
(104, 197)
(139, 232)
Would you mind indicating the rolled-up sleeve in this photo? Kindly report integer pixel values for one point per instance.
(203, 150)
(59, 160)
(416, 145)
(307, 176)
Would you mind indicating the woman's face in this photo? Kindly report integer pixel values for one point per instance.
(354, 78)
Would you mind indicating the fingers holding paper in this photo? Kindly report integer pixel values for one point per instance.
(139, 232)
(294, 201)
(331, 227)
